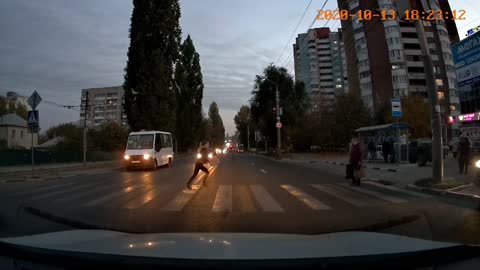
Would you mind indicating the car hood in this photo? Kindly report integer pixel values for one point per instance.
(226, 246)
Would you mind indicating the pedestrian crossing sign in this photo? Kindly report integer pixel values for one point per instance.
(32, 119)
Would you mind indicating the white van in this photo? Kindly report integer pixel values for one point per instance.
(148, 149)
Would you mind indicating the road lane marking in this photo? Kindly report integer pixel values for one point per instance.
(245, 201)
(384, 197)
(223, 199)
(342, 195)
(182, 198)
(110, 196)
(262, 170)
(266, 201)
(147, 195)
(62, 191)
(43, 189)
(408, 192)
(83, 194)
(306, 198)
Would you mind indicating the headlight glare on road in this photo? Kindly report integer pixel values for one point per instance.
(146, 156)
(199, 155)
(126, 157)
(477, 164)
(210, 155)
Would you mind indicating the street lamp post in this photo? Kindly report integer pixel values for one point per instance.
(278, 119)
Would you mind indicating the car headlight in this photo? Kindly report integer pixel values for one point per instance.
(126, 157)
(199, 155)
(224, 151)
(210, 155)
(146, 156)
(477, 164)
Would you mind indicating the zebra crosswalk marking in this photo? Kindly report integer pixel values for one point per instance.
(306, 198)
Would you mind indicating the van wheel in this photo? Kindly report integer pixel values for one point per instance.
(169, 162)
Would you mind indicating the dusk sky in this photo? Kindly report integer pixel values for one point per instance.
(60, 47)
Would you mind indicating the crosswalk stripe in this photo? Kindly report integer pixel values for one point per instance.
(306, 198)
(177, 203)
(62, 191)
(342, 195)
(147, 195)
(266, 201)
(83, 194)
(246, 202)
(110, 196)
(43, 188)
(223, 199)
(375, 194)
(396, 189)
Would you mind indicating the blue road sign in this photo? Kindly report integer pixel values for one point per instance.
(33, 120)
(396, 108)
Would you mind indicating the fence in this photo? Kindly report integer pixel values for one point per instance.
(10, 157)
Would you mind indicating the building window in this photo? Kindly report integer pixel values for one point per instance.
(339, 86)
(453, 108)
(13, 134)
(440, 95)
(394, 53)
(364, 74)
(21, 134)
(439, 82)
(397, 66)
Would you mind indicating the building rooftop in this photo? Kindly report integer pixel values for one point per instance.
(12, 120)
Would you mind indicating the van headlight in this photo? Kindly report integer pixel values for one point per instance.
(477, 164)
(146, 156)
(199, 155)
(210, 155)
(126, 157)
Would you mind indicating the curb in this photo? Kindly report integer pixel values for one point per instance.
(471, 198)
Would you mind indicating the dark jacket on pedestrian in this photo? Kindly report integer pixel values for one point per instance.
(204, 152)
(385, 147)
(371, 146)
(355, 155)
(464, 149)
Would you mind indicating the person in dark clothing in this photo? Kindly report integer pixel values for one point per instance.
(385, 150)
(355, 161)
(391, 151)
(463, 155)
(372, 150)
(199, 164)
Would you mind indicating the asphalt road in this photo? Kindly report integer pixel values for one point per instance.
(244, 193)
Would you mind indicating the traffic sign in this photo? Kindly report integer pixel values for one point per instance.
(33, 119)
(279, 125)
(396, 108)
(34, 100)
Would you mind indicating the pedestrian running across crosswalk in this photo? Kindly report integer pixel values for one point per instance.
(254, 198)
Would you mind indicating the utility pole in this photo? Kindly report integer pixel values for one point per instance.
(248, 138)
(277, 111)
(437, 155)
(85, 107)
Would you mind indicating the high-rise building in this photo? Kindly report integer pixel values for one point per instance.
(104, 105)
(319, 59)
(384, 57)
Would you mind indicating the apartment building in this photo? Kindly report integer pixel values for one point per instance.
(385, 60)
(104, 105)
(319, 59)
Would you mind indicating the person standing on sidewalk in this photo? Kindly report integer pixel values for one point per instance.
(385, 150)
(463, 155)
(199, 164)
(372, 150)
(355, 161)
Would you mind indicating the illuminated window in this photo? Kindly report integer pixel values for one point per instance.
(440, 95)
(453, 108)
(439, 82)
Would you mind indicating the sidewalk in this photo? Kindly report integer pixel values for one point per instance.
(28, 168)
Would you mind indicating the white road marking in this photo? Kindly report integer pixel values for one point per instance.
(412, 193)
(62, 191)
(72, 197)
(110, 196)
(262, 170)
(43, 188)
(306, 198)
(177, 203)
(266, 201)
(223, 199)
(147, 194)
(375, 194)
(341, 194)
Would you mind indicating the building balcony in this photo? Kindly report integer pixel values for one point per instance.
(413, 52)
(415, 64)
(420, 76)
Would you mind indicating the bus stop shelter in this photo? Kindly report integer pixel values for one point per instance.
(396, 132)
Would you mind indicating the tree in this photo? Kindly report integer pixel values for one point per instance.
(293, 101)
(21, 111)
(416, 113)
(216, 130)
(12, 106)
(110, 137)
(242, 121)
(350, 114)
(72, 136)
(189, 95)
(3, 106)
(155, 36)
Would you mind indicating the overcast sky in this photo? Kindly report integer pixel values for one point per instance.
(60, 47)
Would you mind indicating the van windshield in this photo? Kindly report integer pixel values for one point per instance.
(140, 141)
